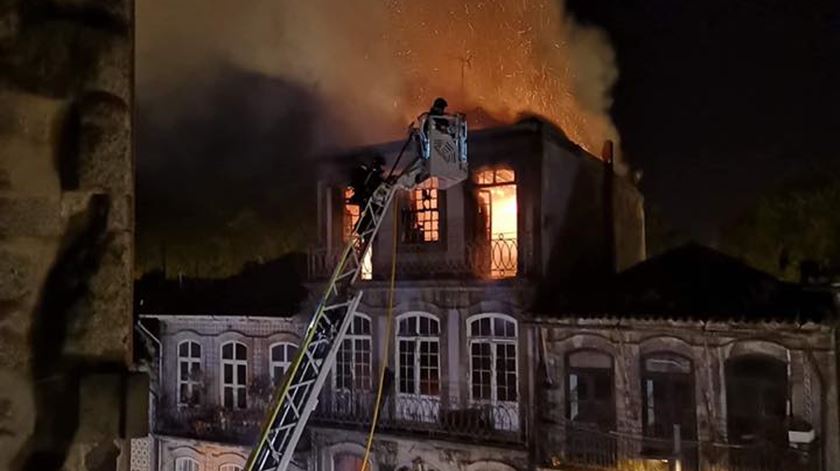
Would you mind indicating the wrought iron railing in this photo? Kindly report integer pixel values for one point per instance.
(426, 416)
(579, 447)
(210, 423)
(505, 256)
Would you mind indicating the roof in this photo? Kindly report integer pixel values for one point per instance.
(698, 283)
(271, 289)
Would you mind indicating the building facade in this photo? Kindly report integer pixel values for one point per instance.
(693, 356)
(460, 356)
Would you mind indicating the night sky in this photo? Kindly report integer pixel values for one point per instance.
(722, 101)
(718, 102)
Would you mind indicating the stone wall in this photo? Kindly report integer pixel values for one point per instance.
(66, 232)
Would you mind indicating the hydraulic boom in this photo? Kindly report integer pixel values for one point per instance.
(440, 145)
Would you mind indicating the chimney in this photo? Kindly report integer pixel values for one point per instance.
(608, 202)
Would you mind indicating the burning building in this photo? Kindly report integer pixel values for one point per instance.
(470, 261)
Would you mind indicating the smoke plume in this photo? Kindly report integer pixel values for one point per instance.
(234, 97)
(379, 63)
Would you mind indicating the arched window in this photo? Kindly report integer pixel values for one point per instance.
(493, 362)
(756, 398)
(186, 464)
(589, 388)
(282, 354)
(418, 354)
(189, 372)
(234, 375)
(668, 396)
(230, 467)
(352, 364)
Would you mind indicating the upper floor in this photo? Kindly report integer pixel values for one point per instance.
(535, 205)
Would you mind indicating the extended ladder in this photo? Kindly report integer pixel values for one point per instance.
(442, 154)
(307, 373)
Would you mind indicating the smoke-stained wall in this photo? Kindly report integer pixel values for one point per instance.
(66, 233)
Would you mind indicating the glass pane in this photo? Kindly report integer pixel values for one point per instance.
(241, 399)
(228, 373)
(424, 326)
(196, 350)
(184, 371)
(412, 325)
(241, 352)
(240, 374)
(228, 397)
(227, 351)
(183, 349)
(277, 353)
(183, 393)
(474, 329)
(505, 176)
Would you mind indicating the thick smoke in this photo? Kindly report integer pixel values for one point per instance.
(234, 97)
(378, 63)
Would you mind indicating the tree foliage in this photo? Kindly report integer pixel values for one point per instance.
(784, 229)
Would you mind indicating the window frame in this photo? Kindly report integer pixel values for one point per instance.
(192, 463)
(284, 365)
(417, 339)
(352, 337)
(409, 216)
(580, 371)
(495, 342)
(231, 467)
(649, 375)
(235, 363)
(192, 384)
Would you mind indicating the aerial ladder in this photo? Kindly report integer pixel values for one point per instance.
(439, 142)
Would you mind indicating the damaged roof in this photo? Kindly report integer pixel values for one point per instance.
(270, 289)
(698, 283)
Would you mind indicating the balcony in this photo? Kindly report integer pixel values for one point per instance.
(211, 423)
(578, 447)
(502, 257)
(442, 418)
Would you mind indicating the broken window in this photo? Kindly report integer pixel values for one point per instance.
(667, 399)
(493, 363)
(234, 375)
(497, 208)
(421, 216)
(282, 355)
(189, 373)
(756, 398)
(351, 215)
(353, 361)
(589, 389)
(418, 344)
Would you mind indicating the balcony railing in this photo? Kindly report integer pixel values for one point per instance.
(211, 423)
(501, 257)
(430, 417)
(576, 447)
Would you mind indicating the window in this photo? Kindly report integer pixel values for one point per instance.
(352, 213)
(497, 213)
(348, 462)
(421, 217)
(189, 372)
(667, 396)
(352, 364)
(230, 467)
(282, 355)
(234, 375)
(418, 355)
(493, 369)
(589, 392)
(186, 464)
(756, 398)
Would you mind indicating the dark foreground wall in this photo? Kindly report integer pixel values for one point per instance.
(66, 233)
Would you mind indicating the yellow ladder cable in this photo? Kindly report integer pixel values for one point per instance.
(388, 330)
